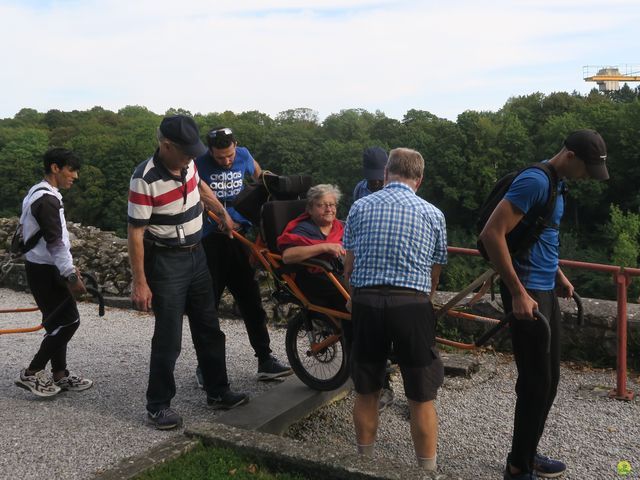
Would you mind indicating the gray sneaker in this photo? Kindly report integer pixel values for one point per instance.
(73, 382)
(166, 419)
(271, 369)
(386, 399)
(40, 383)
(199, 378)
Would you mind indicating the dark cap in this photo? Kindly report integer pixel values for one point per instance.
(183, 131)
(589, 147)
(374, 159)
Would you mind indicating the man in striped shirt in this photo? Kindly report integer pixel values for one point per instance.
(396, 245)
(169, 267)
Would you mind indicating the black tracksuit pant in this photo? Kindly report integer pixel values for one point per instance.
(538, 375)
(229, 266)
(60, 315)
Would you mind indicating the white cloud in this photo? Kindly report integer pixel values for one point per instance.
(326, 55)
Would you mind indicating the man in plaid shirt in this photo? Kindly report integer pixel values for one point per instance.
(396, 245)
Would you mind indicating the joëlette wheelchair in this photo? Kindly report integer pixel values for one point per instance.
(315, 343)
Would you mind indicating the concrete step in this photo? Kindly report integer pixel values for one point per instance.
(275, 410)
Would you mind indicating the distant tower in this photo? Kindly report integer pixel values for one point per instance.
(608, 78)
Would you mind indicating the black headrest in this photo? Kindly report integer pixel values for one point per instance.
(271, 187)
(276, 215)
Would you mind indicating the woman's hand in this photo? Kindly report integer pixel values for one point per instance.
(334, 249)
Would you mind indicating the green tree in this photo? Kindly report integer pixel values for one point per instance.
(625, 227)
(20, 167)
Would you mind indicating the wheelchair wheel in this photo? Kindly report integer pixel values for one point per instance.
(326, 368)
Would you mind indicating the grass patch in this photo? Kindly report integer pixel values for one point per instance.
(214, 463)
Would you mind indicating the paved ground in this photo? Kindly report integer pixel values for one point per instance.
(76, 435)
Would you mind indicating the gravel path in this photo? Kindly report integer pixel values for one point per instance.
(590, 432)
(75, 435)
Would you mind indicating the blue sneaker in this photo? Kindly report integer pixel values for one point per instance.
(520, 476)
(546, 467)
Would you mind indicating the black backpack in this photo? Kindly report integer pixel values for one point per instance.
(18, 246)
(528, 230)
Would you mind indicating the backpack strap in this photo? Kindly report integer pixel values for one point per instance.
(35, 238)
(546, 212)
(539, 216)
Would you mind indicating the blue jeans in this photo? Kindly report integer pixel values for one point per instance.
(180, 283)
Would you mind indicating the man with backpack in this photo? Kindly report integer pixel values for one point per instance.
(530, 281)
(52, 277)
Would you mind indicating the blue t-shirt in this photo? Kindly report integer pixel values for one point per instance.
(226, 183)
(538, 270)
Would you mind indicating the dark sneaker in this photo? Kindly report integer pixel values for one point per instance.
(199, 378)
(40, 383)
(520, 476)
(386, 399)
(73, 383)
(546, 467)
(164, 419)
(272, 368)
(227, 400)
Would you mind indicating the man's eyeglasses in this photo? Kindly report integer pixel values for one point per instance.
(222, 131)
(327, 206)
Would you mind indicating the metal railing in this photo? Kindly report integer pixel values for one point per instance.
(622, 277)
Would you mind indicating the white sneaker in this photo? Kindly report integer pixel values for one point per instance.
(73, 383)
(40, 383)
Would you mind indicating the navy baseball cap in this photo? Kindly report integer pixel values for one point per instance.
(374, 160)
(589, 147)
(183, 131)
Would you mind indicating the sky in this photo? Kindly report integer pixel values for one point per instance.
(205, 56)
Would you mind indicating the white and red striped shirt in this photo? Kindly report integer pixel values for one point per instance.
(165, 202)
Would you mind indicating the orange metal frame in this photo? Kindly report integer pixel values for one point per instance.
(271, 261)
(7, 331)
(622, 277)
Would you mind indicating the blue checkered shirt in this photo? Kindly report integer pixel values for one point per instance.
(395, 237)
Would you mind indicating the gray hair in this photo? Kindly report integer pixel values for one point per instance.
(316, 192)
(405, 163)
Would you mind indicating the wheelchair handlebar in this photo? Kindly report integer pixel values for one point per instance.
(578, 300)
(91, 284)
(319, 263)
(507, 319)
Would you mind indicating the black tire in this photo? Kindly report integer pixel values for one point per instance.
(325, 370)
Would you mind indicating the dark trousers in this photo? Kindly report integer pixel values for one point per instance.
(321, 291)
(538, 375)
(229, 267)
(181, 284)
(60, 315)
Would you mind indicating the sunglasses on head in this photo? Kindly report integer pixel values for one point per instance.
(220, 132)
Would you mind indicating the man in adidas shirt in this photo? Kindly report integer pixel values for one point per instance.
(52, 277)
(223, 167)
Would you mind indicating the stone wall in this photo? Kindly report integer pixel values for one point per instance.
(102, 254)
(105, 256)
